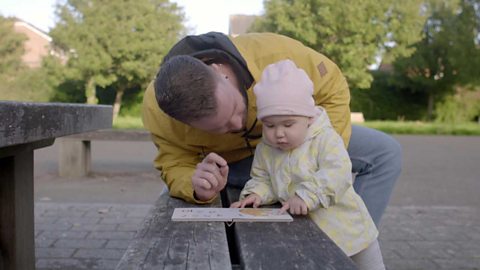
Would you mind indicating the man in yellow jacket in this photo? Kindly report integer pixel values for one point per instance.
(201, 113)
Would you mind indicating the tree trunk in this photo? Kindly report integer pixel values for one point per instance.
(90, 92)
(431, 100)
(118, 102)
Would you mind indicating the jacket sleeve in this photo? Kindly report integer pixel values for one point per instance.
(260, 183)
(333, 94)
(177, 167)
(176, 163)
(333, 178)
(331, 89)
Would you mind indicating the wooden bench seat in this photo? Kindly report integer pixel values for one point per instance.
(164, 244)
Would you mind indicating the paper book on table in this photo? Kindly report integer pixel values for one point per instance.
(231, 214)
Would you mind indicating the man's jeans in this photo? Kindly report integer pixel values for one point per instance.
(376, 160)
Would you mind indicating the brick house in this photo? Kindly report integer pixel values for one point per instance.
(37, 44)
(240, 23)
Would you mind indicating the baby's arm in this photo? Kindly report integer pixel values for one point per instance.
(333, 177)
(260, 184)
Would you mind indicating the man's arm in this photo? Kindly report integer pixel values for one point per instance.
(188, 178)
(177, 167)
(334, 96)
(177, 164)
(331, 91)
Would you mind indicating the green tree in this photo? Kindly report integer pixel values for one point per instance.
(115, 43)
(11, 48)
(353, 33)
(27, 85)
(448, 54)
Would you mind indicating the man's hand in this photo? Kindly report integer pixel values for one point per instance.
(296, 206)
(210, 177)
(252, 199)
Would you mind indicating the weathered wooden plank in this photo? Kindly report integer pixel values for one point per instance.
(296, 245)
(163, 244)
(26, 122)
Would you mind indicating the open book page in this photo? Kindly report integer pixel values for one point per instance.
(231, 214)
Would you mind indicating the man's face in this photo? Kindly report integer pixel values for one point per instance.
(231, 115)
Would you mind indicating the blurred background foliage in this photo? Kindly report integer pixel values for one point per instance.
(411, 60)
(426, 52)
(103, 52)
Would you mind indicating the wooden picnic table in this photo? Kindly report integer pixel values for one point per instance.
(24, 127)
(164, 244)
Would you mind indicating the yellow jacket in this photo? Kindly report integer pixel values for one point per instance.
(181, 147)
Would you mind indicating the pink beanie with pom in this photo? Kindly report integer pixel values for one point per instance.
(284, 89)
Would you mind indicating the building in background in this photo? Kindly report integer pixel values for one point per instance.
(239, 24)
(37, 45)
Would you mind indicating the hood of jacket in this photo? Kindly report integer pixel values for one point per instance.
(214, 47)
(319, 125)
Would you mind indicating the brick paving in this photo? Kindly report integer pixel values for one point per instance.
(431, 238)
(78, 236)
(84, 236)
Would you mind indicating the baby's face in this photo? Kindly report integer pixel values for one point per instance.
(285, 132)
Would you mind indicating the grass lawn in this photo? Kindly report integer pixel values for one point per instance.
(391, 127)
(410, 127)
(128, 122)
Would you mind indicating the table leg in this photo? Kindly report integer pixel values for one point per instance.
(17, 240)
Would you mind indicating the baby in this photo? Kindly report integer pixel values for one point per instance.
(302, 163)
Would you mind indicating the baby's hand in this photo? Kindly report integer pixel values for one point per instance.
(296, 206)
(252, 199)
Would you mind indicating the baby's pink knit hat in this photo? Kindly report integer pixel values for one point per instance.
(284, 89)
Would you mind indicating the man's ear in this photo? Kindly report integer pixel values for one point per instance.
(216, 67)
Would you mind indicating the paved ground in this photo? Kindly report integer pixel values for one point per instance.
(433, 221)
(84, 236)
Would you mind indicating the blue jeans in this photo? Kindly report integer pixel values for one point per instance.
(376, 160)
